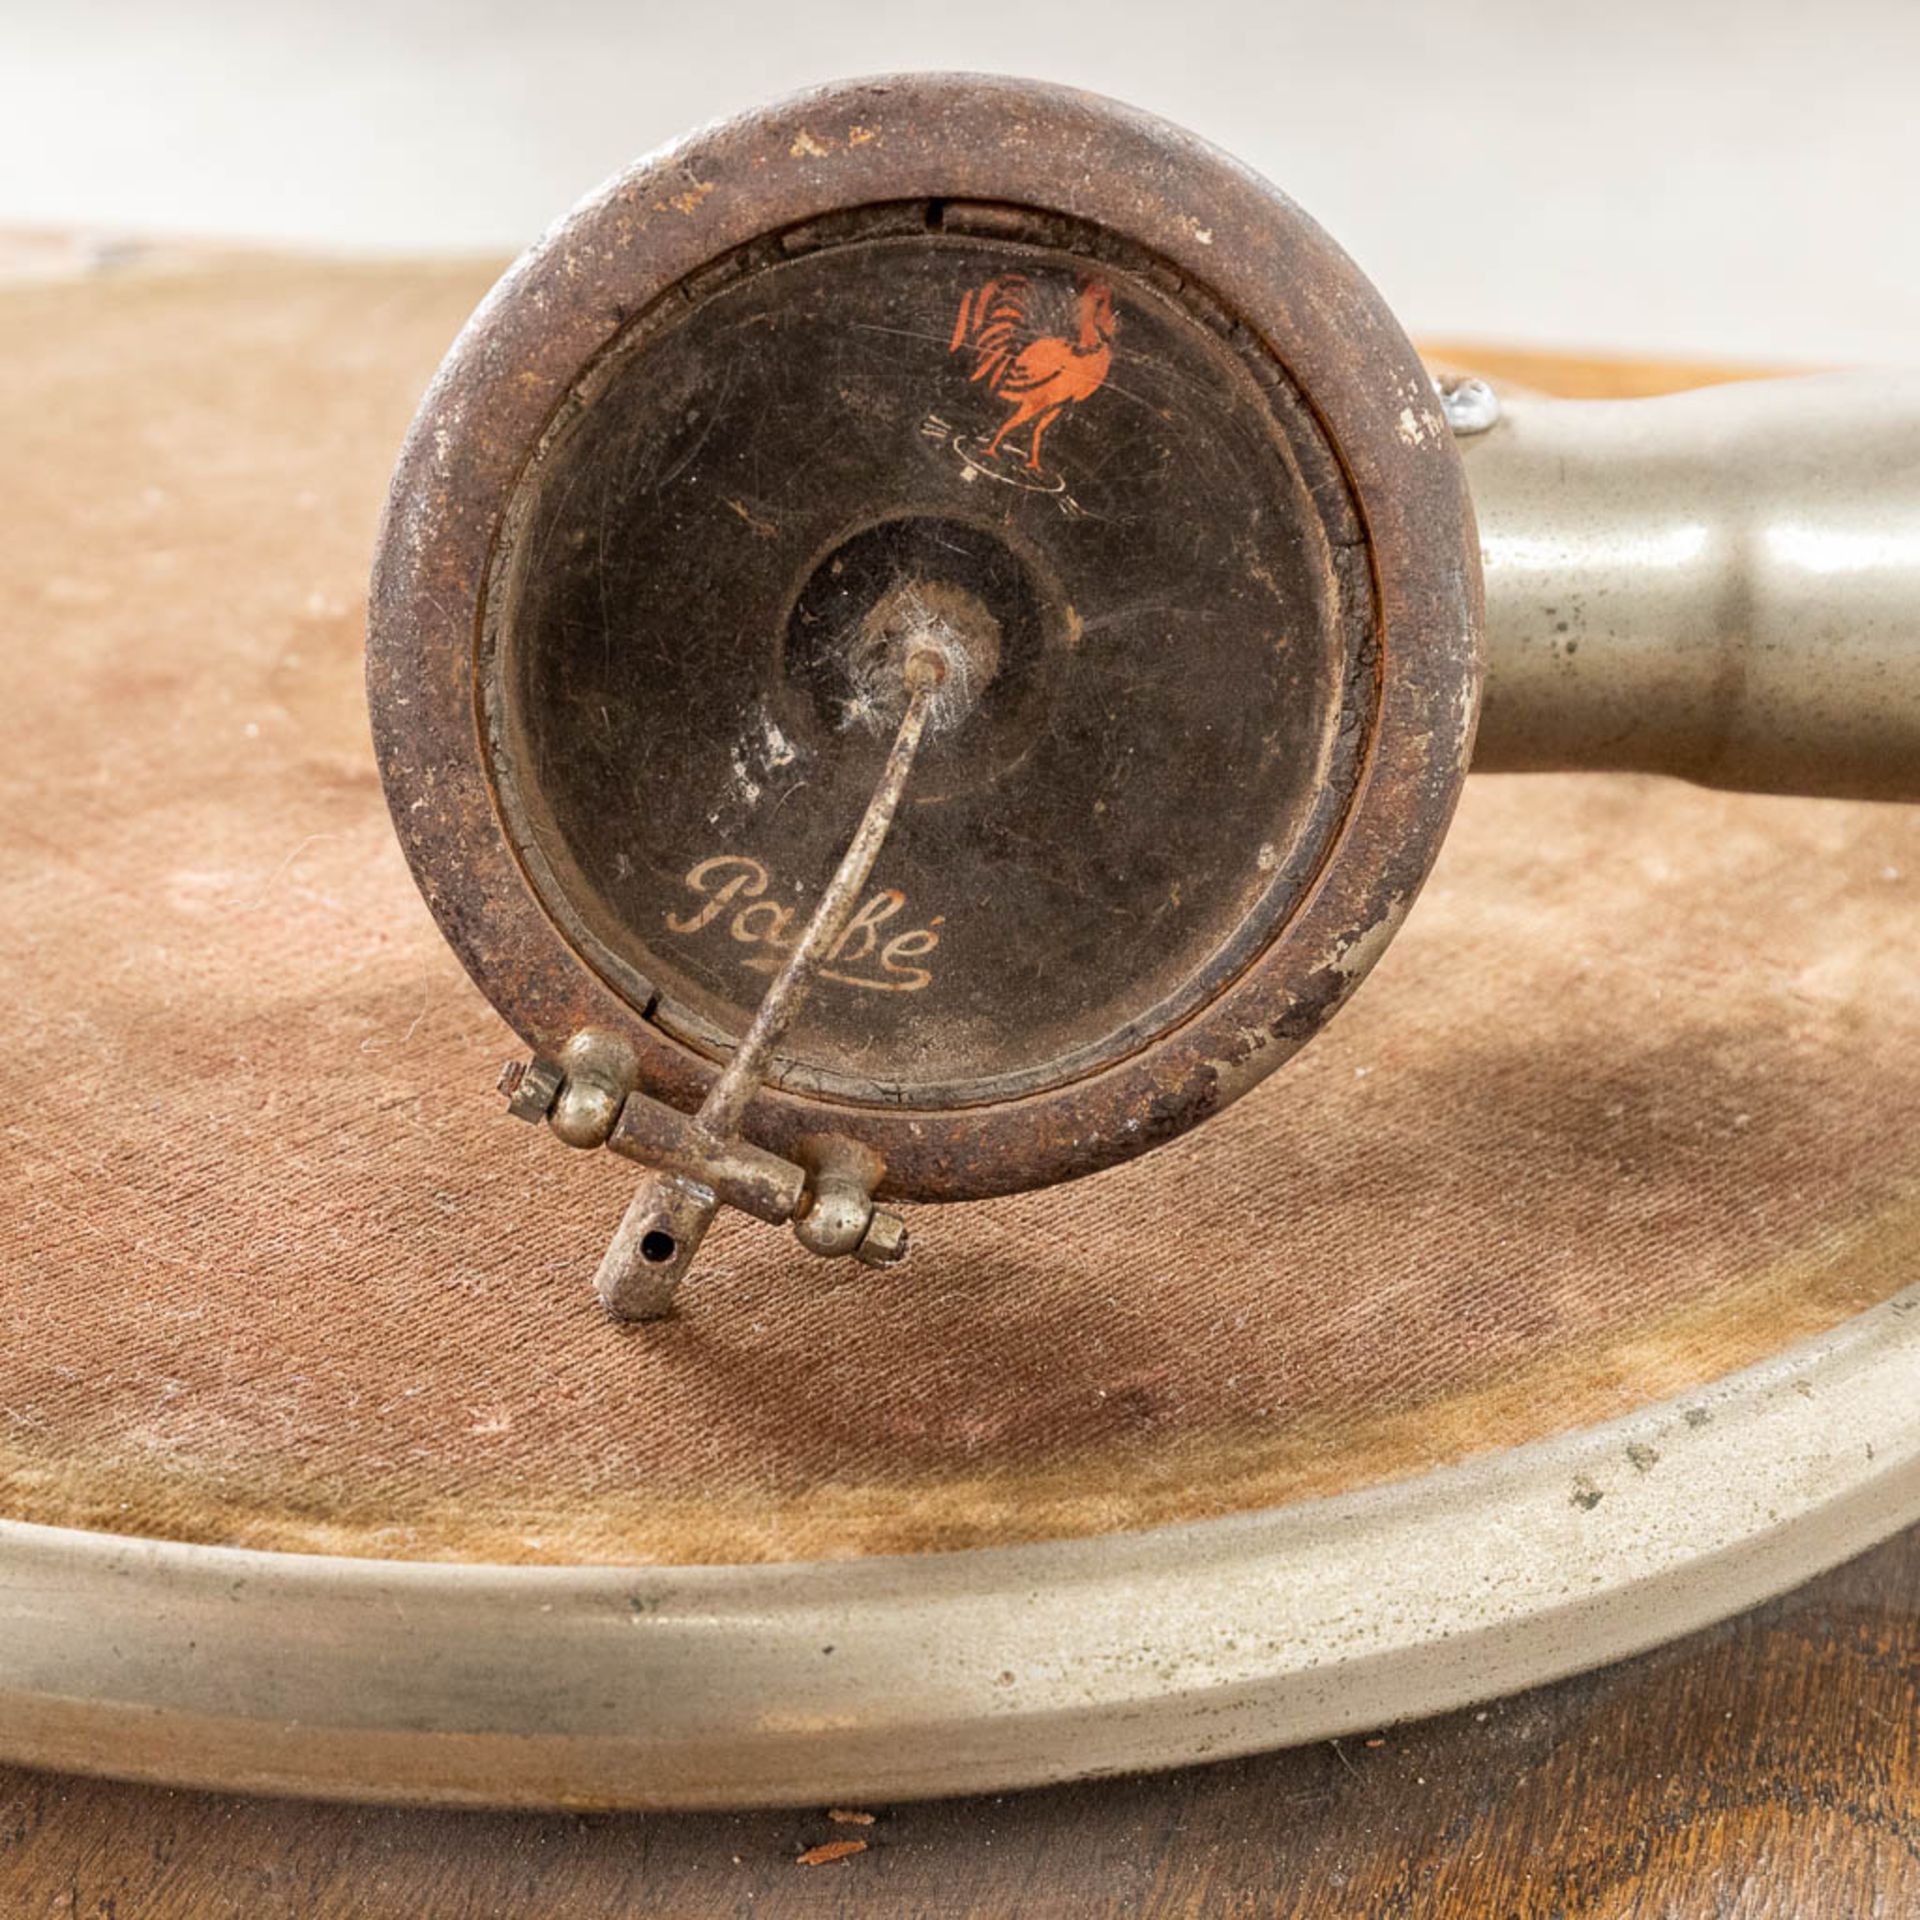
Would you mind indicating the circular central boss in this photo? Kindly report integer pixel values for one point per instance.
(1135, 536)
(946, 582)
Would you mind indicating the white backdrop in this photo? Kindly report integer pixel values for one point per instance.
(1679, 175)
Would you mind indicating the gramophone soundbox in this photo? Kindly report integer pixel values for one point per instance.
(1013, 531)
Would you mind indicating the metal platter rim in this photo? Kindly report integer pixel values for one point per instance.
(888, 1679)
(939, 137)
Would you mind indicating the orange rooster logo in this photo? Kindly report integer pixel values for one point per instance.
(1037, 375)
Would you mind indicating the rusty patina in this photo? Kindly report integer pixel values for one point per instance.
(984, 162)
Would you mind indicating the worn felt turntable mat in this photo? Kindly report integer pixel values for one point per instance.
(1631, 1102)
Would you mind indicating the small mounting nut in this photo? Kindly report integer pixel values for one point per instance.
(1470, 405)
(885, 1244)
(531, 1087)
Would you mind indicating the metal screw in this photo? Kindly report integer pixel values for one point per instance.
(1469, 404)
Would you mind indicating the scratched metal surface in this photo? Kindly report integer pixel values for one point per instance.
(979, 159)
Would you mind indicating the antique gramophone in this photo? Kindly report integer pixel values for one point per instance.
(924, 640)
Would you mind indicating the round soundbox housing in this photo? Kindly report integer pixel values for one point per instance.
(1017, 359)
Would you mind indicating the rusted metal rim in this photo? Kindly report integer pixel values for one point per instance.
(856, 145)
(895, 1678)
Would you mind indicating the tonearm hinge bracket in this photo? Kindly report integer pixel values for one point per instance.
(699, 1163)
